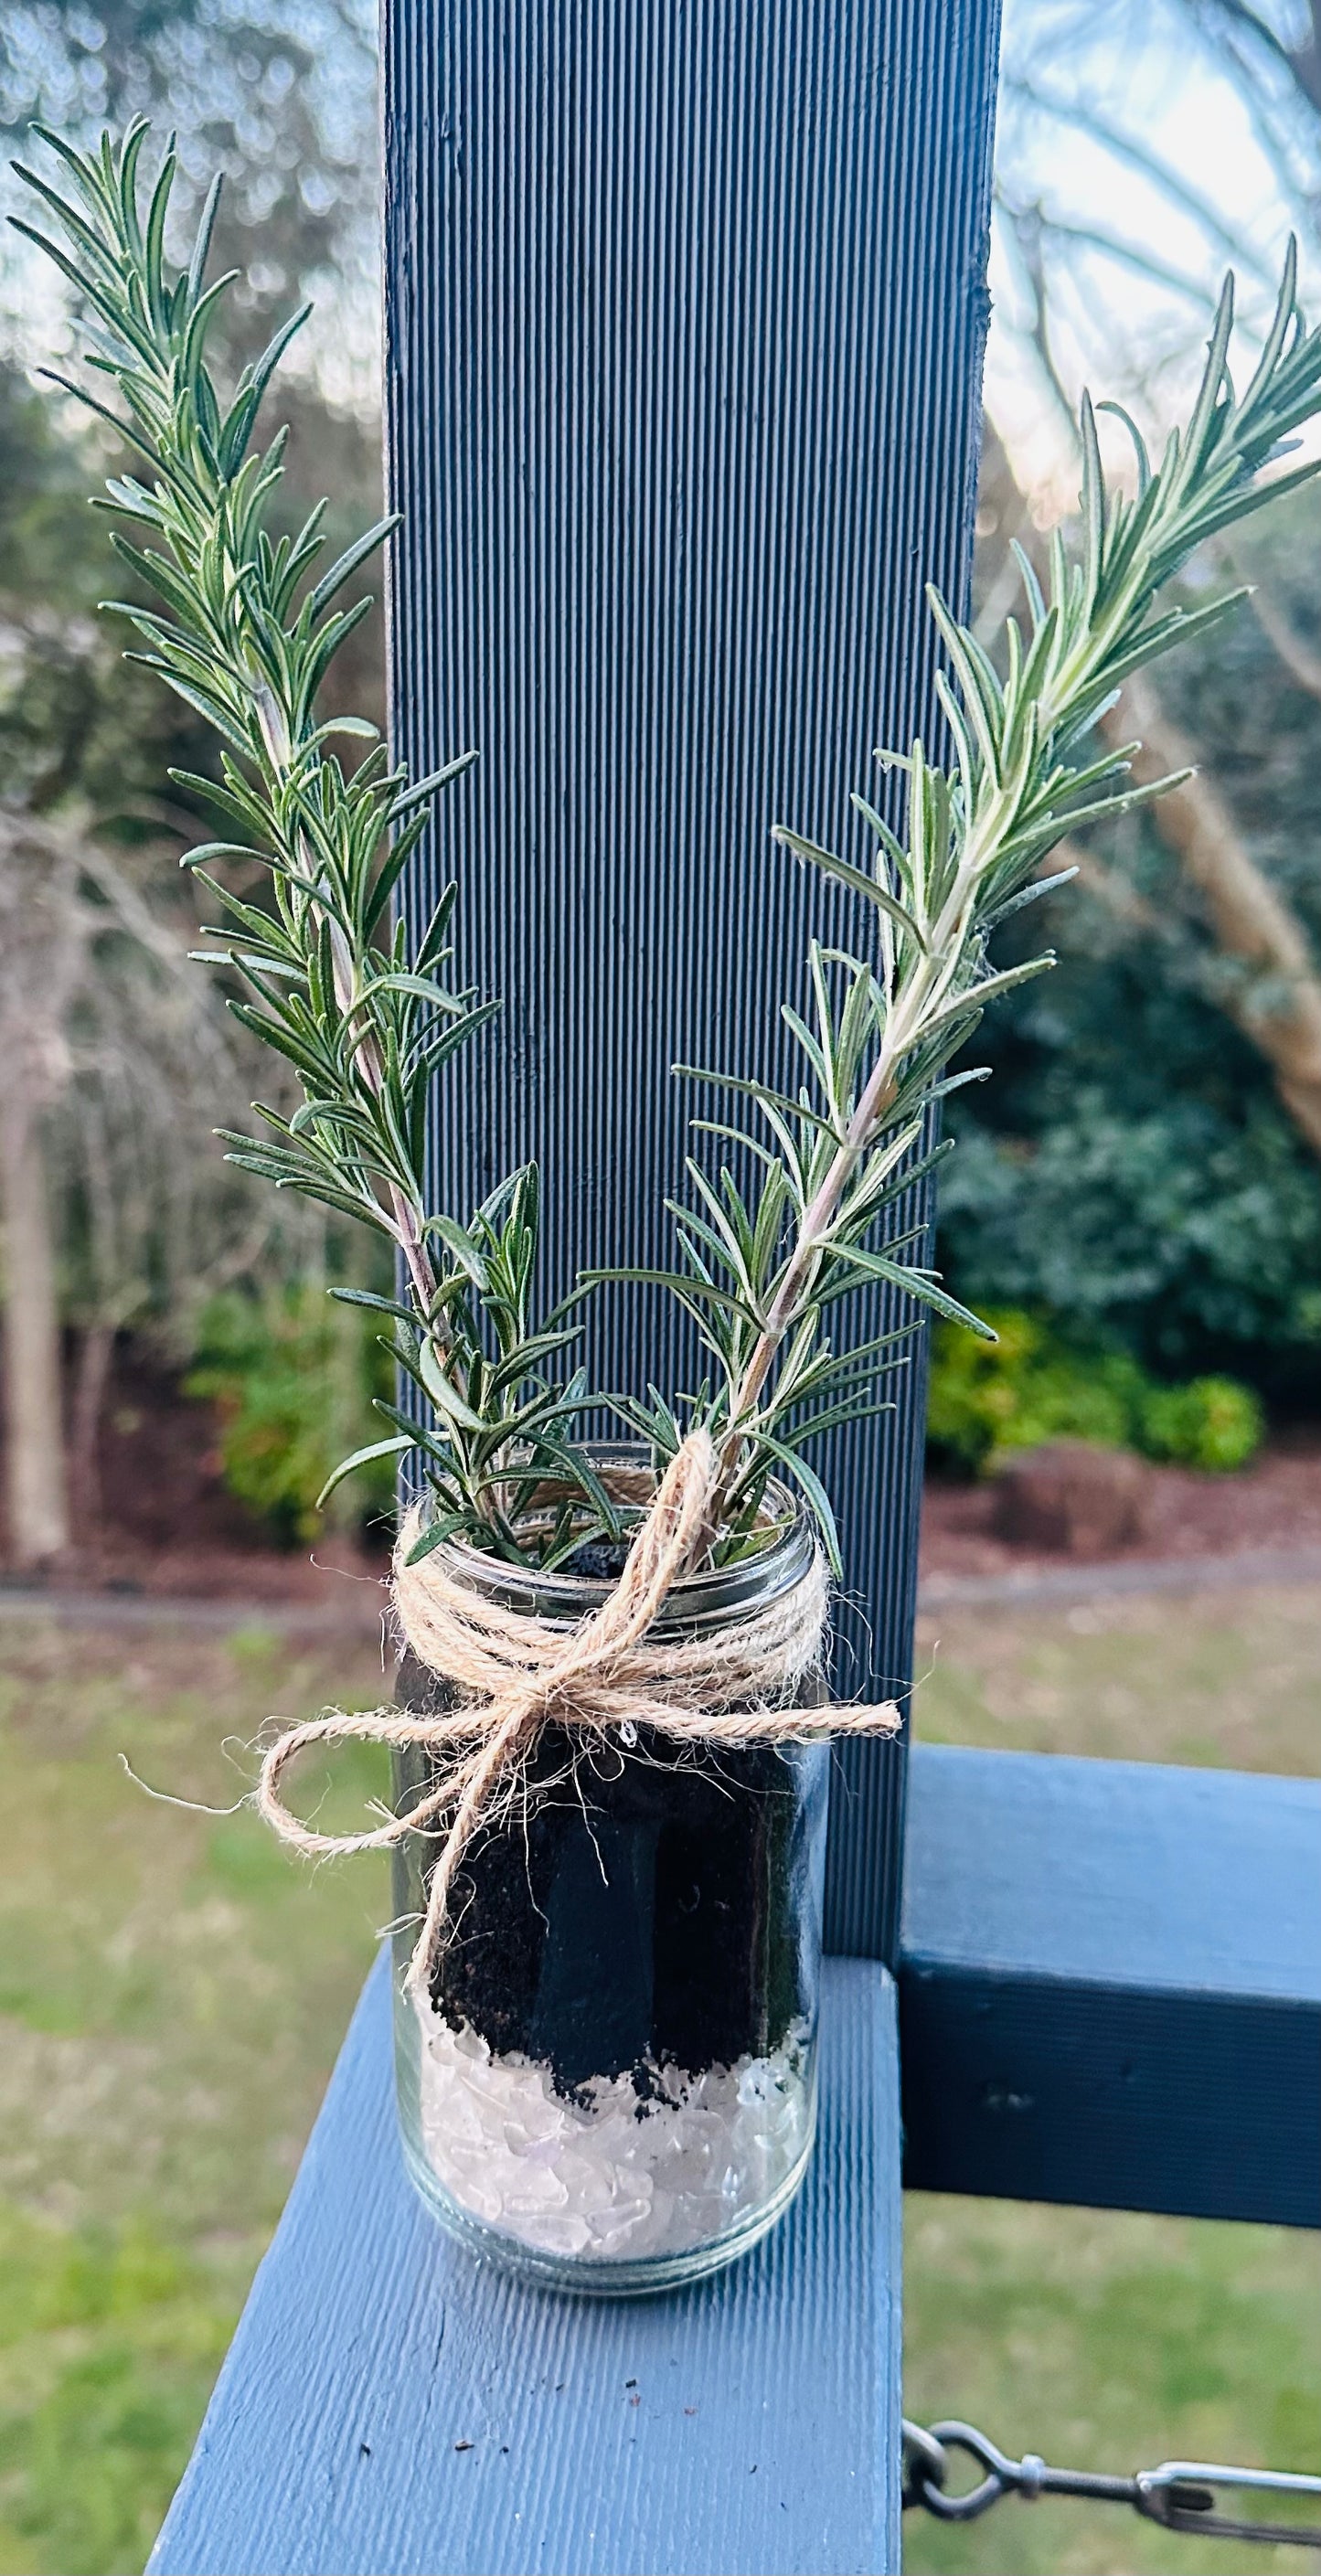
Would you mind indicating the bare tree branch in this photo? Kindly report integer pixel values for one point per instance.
(1303, 62)
(1027, 225)
(1301, 659)
(1277, 1004)
(1139, 156)
(1003, 518)
(1058, 228)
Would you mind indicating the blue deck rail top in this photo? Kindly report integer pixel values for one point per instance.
(390, 2407)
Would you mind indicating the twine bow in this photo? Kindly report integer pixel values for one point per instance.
(515, 1675)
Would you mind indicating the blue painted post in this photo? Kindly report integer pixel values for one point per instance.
(684, 323)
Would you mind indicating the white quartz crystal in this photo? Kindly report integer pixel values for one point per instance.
(610, 2174)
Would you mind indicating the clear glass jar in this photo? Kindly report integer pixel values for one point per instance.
(612, 2087)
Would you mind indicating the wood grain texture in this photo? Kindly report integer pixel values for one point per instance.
(749, 2424)
(1111, 1985)
(684, 321)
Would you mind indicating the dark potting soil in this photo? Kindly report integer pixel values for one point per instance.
(647, 1913)
(598, 1560)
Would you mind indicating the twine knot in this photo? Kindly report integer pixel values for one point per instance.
(513, 1675)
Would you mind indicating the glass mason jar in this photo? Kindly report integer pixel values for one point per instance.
(612, 2085)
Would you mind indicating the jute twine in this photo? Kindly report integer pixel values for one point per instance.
(603, 1678)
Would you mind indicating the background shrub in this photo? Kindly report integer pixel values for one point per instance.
(1213, 1423)
(1032, 1385)
(293, 1374)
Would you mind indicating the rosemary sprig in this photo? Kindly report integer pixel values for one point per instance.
(760, 1274)
(246, 632)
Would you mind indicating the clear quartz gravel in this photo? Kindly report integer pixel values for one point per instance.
(610, 2173)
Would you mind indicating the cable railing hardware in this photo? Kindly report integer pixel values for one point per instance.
(1183, 2495)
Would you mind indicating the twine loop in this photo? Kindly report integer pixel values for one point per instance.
(514, 1675)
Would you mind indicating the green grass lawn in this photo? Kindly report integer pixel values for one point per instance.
(1229, 1678)
(173, 1990)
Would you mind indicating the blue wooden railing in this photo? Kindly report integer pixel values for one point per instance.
(1110, 1991)
(684, 320)
(1111, 1985)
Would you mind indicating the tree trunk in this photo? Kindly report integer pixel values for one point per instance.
(95, 1352)
(1279, 1004)
(37, 1486)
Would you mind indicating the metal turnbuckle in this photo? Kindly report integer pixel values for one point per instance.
(1184, 2495)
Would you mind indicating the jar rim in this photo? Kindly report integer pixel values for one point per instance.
(697, 1601)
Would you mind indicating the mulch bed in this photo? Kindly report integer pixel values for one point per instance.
(1274, 1503)
(169, 1529)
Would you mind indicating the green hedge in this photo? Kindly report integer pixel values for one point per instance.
(1030, 1385)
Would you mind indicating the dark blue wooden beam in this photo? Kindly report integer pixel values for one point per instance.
(390, 2407)
(1111, 1985)
(684, 318)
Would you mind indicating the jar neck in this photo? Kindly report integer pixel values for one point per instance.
(714, 1598)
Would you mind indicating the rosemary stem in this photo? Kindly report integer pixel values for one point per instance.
(366, 1052)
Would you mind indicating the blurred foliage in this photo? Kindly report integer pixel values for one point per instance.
(77, 724)
(40, 491)
(293, 1375)
(280, 94)
(1131, 1166)
(1190, 1231)
(1213, 1423)
(284, 100)
(80, 726)
(1033, 1385)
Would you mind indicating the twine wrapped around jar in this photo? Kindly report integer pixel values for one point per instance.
(604, 1677)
